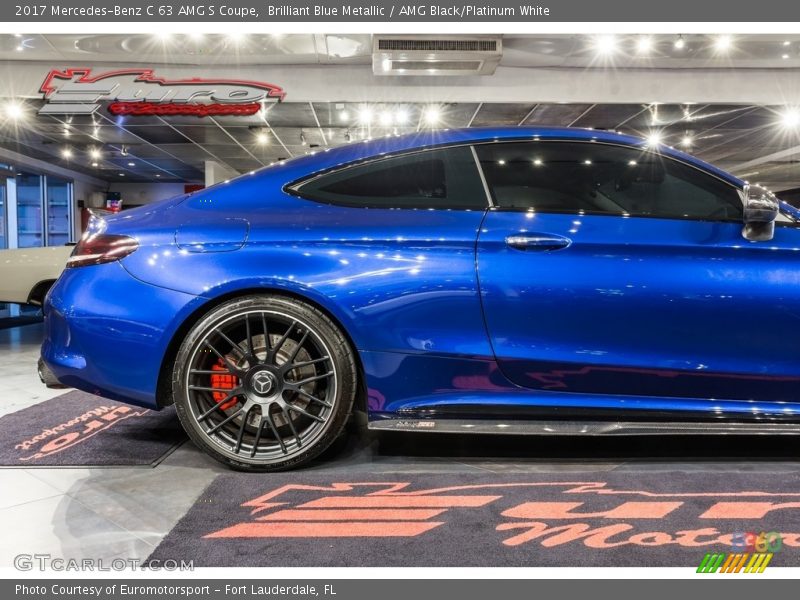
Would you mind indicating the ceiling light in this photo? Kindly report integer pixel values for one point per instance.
(501, 162)
(787, 43)
(785, 56)
(687, 141)
(605, 44)
(262, 138)
(432, 115)
(94, 153)
(164, 36)
(14, 110)
(131, 164)
(94, 164)
(537, 161)
(365, 115)
(19, 48)
(723, 43)
(680, 43)
(235, 38)
(122, 174)
(66, 153)
(401, 116)
(790, 118)
(386, 118)
(644, 44)
(344, 116)
(654, 139)
(158, 174)
(632, 163)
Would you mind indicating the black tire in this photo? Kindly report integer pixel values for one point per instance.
(288, 380)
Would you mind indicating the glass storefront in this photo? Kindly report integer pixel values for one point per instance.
(35, 210)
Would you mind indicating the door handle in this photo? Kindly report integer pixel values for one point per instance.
(537, 241)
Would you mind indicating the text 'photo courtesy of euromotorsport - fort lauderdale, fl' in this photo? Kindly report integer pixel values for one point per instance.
(328, 299)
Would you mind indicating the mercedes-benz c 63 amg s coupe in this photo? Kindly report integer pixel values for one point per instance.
(550, 281)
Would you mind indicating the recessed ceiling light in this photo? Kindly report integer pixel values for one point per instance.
(365, 115)
(94, 153)
(19, 48)
(587, 162)
(262, 138)
(501, 162)
(14, 110)
(785, 56)
(94, 164)
(158, 174)
(122, 174)
(131, 164)
(432, 115)
(680, 43)
(723, 43)
(605, 44)
(66, 153)
(687, 141)
(790, 118)
(537, 161)
(344, 116)
(632, 163)
(644, 44)
(787, 43)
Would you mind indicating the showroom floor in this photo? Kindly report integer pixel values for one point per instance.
(126, 511)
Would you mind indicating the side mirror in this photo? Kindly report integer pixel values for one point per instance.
(760, 212)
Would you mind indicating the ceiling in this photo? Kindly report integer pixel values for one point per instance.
(745, 139)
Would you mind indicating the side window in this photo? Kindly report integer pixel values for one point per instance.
(444, 178)
(575, 177)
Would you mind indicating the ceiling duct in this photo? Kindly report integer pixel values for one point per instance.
(436, 55)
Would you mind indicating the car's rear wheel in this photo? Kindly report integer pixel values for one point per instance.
(264, 383)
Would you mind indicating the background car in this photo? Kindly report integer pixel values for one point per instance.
(26, 274)
(520, 280)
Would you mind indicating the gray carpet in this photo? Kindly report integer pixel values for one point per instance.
(578, 519)
(79, 429)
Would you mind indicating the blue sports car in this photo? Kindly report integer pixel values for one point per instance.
(516, 280)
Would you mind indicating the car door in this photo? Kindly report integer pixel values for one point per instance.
(615, 271)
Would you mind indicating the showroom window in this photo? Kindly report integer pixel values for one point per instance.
(596, 178)
(444, 178)
(43, 210)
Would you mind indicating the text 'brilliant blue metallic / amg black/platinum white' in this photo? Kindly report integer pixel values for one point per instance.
(493, 280)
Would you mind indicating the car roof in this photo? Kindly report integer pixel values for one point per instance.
(323, 160)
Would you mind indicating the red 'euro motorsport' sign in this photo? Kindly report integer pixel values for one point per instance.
(140, 92)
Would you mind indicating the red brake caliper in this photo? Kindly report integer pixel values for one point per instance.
(223, 381)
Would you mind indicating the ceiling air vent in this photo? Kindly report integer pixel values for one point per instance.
(436, 55)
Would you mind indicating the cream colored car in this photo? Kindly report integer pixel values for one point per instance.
(27, 273)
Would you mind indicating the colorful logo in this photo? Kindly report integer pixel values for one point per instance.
(752, 553)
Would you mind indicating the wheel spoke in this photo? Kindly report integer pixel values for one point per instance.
(250, 350)
(305, 394)
(218, 405)
(314, 378)
(200, 388)
(297, 348)
(288, 418)
(274, 429)
(283, 339)
(240, 435)
(234, 346)
(258, 437)
(305, 413)
(307, 363)
(267, 345)
(224, 359)
(216, 427)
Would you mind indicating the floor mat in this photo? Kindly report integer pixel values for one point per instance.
(79, 429)
(614, 519)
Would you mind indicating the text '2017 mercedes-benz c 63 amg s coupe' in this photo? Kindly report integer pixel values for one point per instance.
(550, 281)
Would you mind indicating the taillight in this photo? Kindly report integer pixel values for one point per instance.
(101, 248)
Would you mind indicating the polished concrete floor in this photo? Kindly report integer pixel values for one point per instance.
(125, 512)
